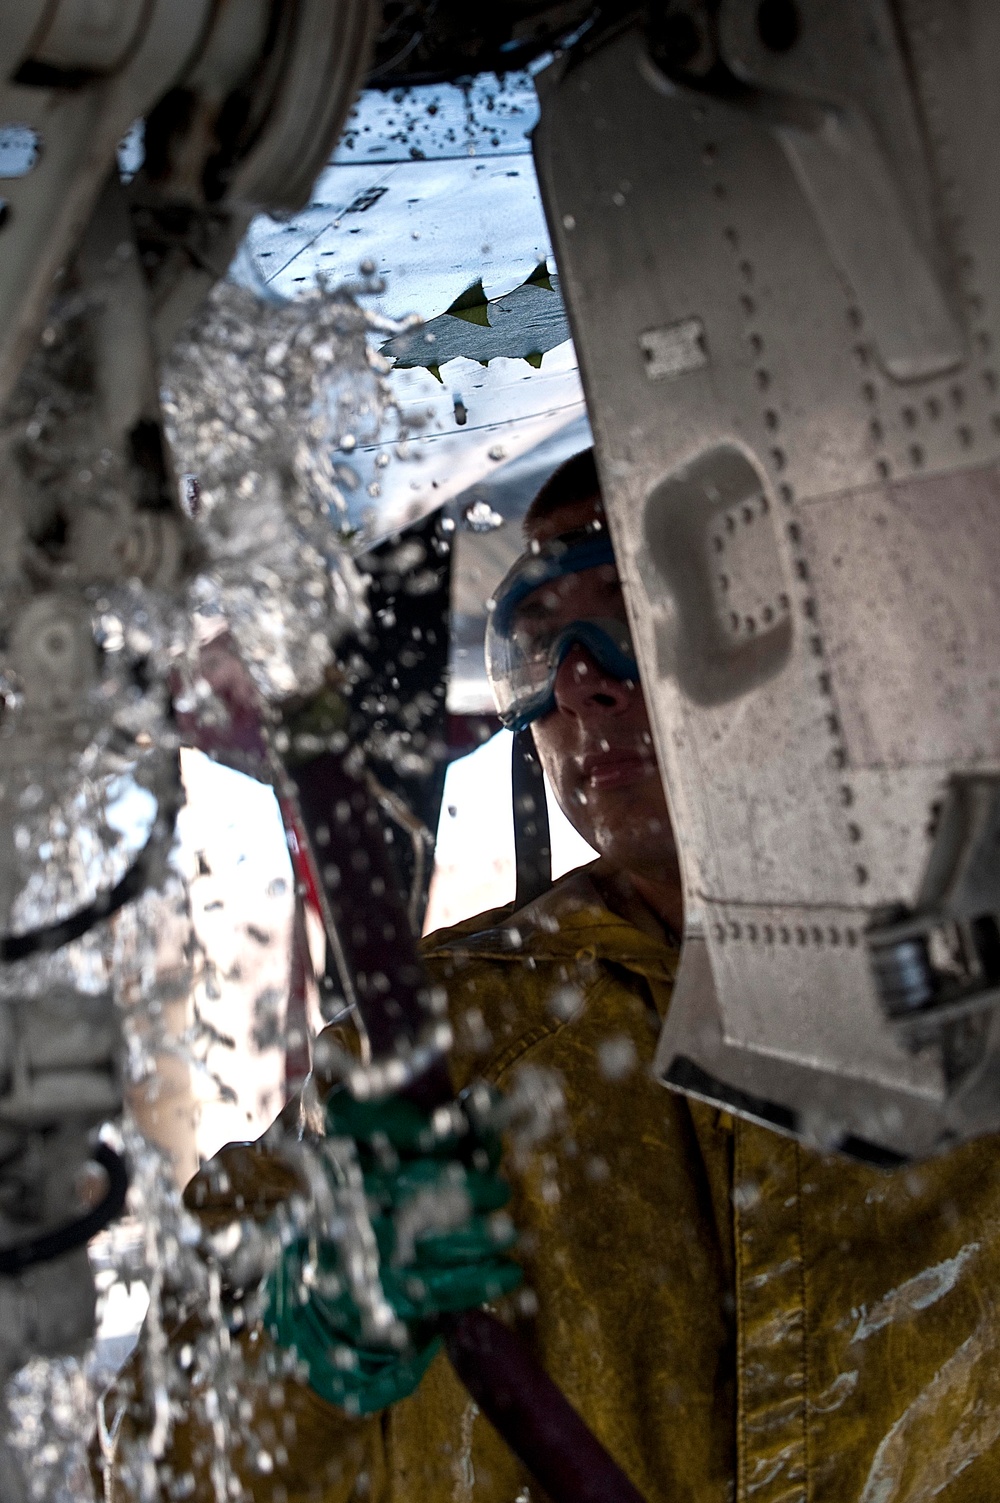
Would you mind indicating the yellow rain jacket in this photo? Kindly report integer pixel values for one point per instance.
(735, 1316)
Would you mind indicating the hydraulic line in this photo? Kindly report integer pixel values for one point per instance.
(63, 1239)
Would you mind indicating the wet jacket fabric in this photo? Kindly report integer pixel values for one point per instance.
(736, 1316)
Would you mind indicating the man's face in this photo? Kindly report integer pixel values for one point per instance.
(595, 745)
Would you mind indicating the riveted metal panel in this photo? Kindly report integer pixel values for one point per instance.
(784, 307)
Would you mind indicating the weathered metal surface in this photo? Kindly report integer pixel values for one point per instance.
(806, 514)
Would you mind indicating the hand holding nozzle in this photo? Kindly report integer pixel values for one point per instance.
(423, 1185)
(434, 1283)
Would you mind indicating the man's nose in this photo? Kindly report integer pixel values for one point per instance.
(583, 688)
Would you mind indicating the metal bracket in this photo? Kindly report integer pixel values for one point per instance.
(858, 152)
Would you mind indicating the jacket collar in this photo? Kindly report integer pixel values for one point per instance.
(569, 922)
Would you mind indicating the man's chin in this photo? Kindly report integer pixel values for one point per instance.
(626, 828)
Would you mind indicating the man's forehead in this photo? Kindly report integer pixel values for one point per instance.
(567, 518)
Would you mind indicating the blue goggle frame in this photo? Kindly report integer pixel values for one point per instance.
(573, 554)
(610, 657)
(552, 561)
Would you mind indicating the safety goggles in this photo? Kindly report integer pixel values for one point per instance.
(526, 639)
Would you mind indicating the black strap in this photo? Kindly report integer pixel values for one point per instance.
(532, 847)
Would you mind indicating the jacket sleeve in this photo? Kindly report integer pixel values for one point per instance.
(268, 1431)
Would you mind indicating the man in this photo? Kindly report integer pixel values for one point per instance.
(735, 1315)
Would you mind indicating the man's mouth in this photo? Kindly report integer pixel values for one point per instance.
(615, 769)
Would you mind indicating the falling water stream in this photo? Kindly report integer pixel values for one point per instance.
(264, 403)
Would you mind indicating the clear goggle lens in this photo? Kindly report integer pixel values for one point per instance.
(525, 648)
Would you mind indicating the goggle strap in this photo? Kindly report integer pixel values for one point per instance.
(532, 842)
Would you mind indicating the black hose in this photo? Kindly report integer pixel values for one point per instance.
(532, 1414)
(73, 1234)
(131, 886)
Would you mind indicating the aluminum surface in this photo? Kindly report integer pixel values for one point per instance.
(806, 516)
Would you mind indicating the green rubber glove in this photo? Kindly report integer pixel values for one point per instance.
(433, 1196)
